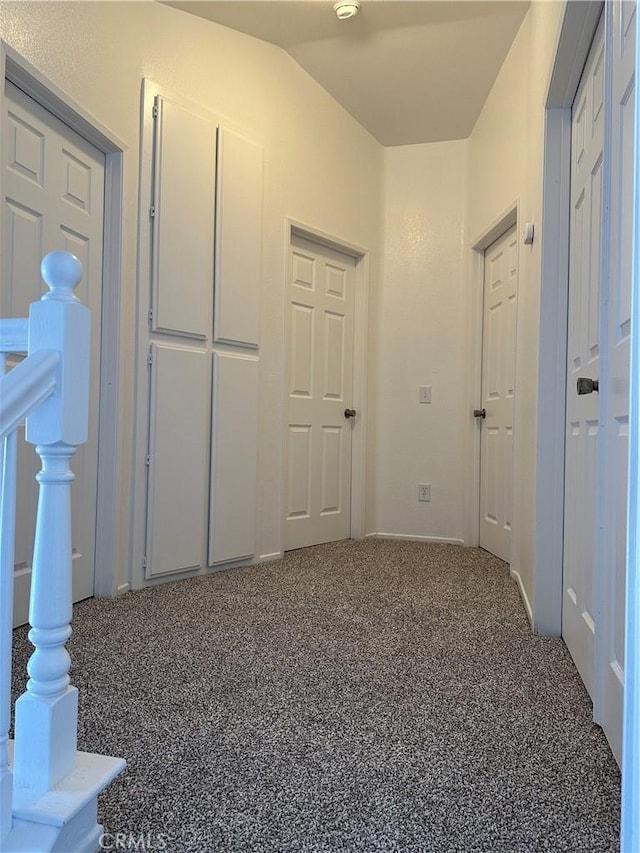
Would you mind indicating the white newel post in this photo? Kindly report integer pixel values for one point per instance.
(46, 714)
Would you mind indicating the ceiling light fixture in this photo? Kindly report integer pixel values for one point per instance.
(346, 9)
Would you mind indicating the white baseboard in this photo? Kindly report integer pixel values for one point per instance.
(407, 537)
(523, 594)
(268, 558)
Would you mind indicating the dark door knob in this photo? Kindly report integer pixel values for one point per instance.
(349, 413)
(479, 413)
(587, 386)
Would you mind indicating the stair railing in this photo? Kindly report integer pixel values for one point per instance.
(50, 390)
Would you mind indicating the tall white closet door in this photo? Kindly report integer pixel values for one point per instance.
(199, 416)
(179, 338)
(579, 605)
(53, 198)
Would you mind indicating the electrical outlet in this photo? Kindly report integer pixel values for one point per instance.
(424, 395)
(424, 491)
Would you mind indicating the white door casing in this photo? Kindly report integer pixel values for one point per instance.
(321, 298)
(579, 611)
(498, 391)
(630, 817)
(53, 188)
(614, 391)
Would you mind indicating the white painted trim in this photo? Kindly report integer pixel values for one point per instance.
(630, 827)
(269, 558)
(574, 40)
(360, 362)
(442, 540)
(316, 235)
(29, 79)
(601, 645)
(474, 381)
(497, 228)
(552, 374)
(523, 595)
(109, 475)
(506, 220)
(141, 391)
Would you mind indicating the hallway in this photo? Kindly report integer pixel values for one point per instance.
(356, 696)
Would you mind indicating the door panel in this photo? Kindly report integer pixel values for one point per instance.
(299, 471)
(234, 460)
(579, 606)
(498, 389)
(182, 260)
(53, 198)
(320, 370)
(615, 396)
(239, 239)
(177, 470)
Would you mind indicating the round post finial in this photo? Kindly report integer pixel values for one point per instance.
(62, 273)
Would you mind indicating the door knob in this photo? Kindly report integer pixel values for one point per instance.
(587, 386)
(479, 413)
(349, 413)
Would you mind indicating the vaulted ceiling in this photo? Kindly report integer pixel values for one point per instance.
(408, 70)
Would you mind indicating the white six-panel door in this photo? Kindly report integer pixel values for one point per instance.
(614, 393)
(53, 198)
(498, 388)
(579, 607)
(320, 386)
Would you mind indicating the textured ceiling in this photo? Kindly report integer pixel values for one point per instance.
(408, 70)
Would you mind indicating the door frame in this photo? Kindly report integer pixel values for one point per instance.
(506, 220)
(630, 828)
(29, 79)
(295, 228)
(578, 28)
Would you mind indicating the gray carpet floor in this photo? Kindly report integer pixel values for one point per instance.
(371, 696)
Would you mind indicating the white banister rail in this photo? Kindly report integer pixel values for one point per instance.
(14, 335)
(48, 796)
(25, 387)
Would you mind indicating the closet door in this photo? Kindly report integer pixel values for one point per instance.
(615, 396)
(238, 240)
(198, 386)
(234, 421)
(179, 337)
(582, 437)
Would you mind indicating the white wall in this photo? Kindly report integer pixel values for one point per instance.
(439, 201)
(420, 336)
(322, 168)
(505, 164)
